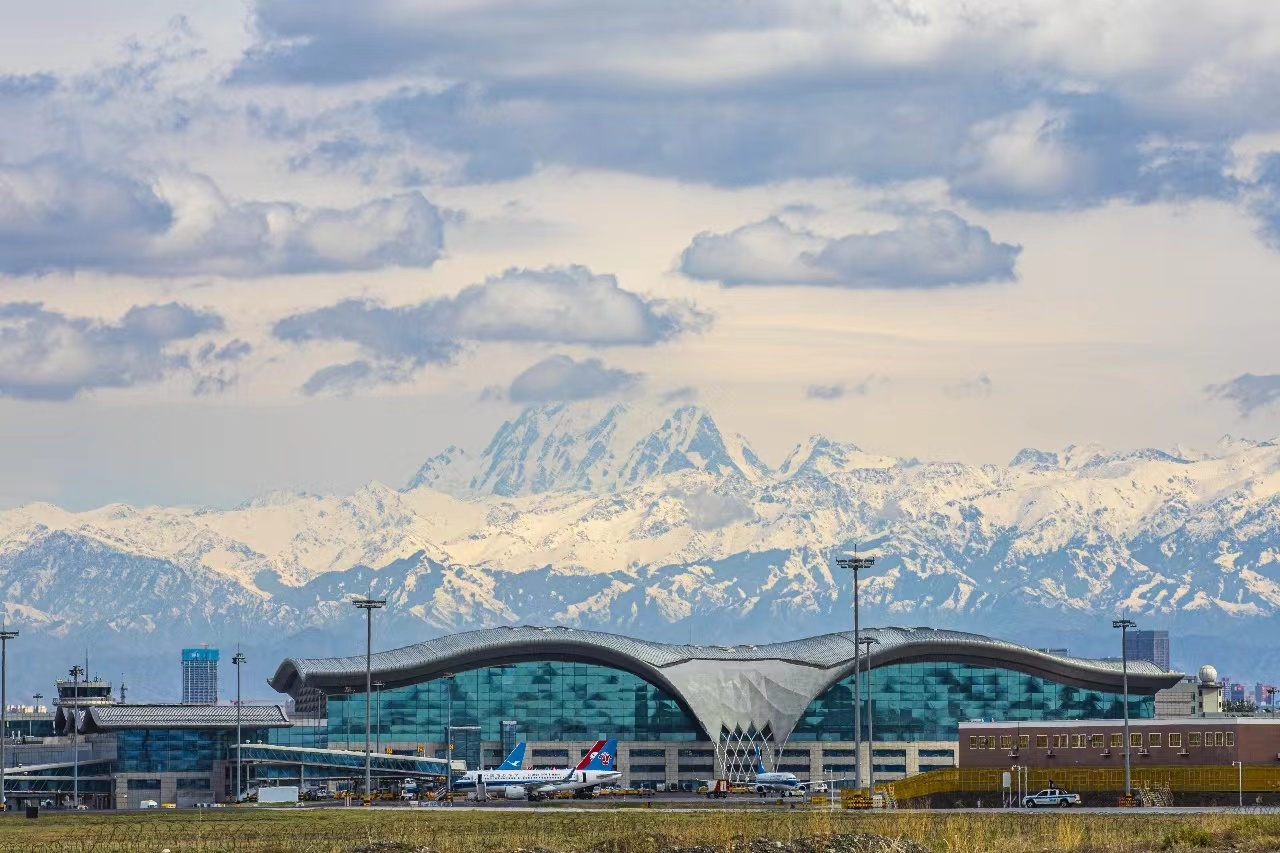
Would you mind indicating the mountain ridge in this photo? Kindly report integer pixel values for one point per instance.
(649, 521)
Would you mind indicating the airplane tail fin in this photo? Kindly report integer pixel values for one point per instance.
(605, 757)
(590, 756)
(759, 762)
(515, 761)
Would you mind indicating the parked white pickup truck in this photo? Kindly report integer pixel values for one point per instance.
(1051, 797)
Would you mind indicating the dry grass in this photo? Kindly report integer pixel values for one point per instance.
(622, 831)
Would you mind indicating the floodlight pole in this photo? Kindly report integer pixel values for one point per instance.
(871, 722)
(76, 672)
(856, 563)
(1124, 625)
(368, 605)
(238, 659)
(5, 636)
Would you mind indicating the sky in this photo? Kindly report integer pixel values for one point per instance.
(306, 244)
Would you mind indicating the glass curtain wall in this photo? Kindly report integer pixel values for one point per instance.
(927, 701)
(548, 700)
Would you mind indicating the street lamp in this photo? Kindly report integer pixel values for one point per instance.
(5, 636)
(238, 659)
(855, 564)
(1239, 765)
(76, 672)
(378, 727)
(871, 722)
(368, 605)
(1124, 625)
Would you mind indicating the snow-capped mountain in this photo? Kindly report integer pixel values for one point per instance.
(656, 523)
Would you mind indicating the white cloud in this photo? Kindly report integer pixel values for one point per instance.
(1022, 155)
(568, 305)
(561, 378)
(926, 251)
(1248, 392)
(47, 355)
(59, 214)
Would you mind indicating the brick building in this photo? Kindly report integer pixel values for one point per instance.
(1192, 741)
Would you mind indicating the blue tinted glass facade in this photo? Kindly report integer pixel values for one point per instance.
(927, 701)
(549, 700)
(176, 750)
(306, 734)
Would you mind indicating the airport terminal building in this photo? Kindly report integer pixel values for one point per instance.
(686, 712)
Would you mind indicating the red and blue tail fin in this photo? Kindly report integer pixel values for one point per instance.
(604, 756)
(590, 756)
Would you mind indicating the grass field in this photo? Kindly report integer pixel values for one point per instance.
(620, 831)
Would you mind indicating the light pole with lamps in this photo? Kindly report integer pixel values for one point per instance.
(238, 659)
(1124, 625)
(5, 636)
(871, 731)
(1239, 765)
(76, 672)
(368, 605)
(855, 564)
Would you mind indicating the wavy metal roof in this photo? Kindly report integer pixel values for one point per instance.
(110, 718)
(488, 646)
(729, 688)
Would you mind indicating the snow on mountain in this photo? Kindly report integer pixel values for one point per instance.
(584, 447)
(653, 521)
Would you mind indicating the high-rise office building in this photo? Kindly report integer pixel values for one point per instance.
(1148, 645)
(200, 676)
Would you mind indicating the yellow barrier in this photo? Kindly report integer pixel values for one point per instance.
(1085, 780)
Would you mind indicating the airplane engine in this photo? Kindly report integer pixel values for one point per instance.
(515, 792)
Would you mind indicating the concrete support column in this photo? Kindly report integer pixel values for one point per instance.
(913, 758)
(168, 788)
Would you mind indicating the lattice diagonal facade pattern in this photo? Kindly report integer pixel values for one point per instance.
(750, 690)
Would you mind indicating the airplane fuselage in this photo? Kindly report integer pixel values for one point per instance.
(776, 782)
(538, 781)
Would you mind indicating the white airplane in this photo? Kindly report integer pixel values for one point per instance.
(767, 781)
(596, 768)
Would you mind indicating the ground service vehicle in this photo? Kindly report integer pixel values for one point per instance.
(1051, 797)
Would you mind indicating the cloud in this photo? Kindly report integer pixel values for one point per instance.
(1263, 197)
(682, 394)
(1248, 392)
(215, 367)
(560, 378)
(344, 379)
(1010, 108)
(928, 251)
(977, 388)
(708, 510)
(27, 85)
(47, 355)
(826, 392)
(841, 390)
(59, 214)
(569, 305)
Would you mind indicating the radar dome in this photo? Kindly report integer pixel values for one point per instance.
(1208, 675)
